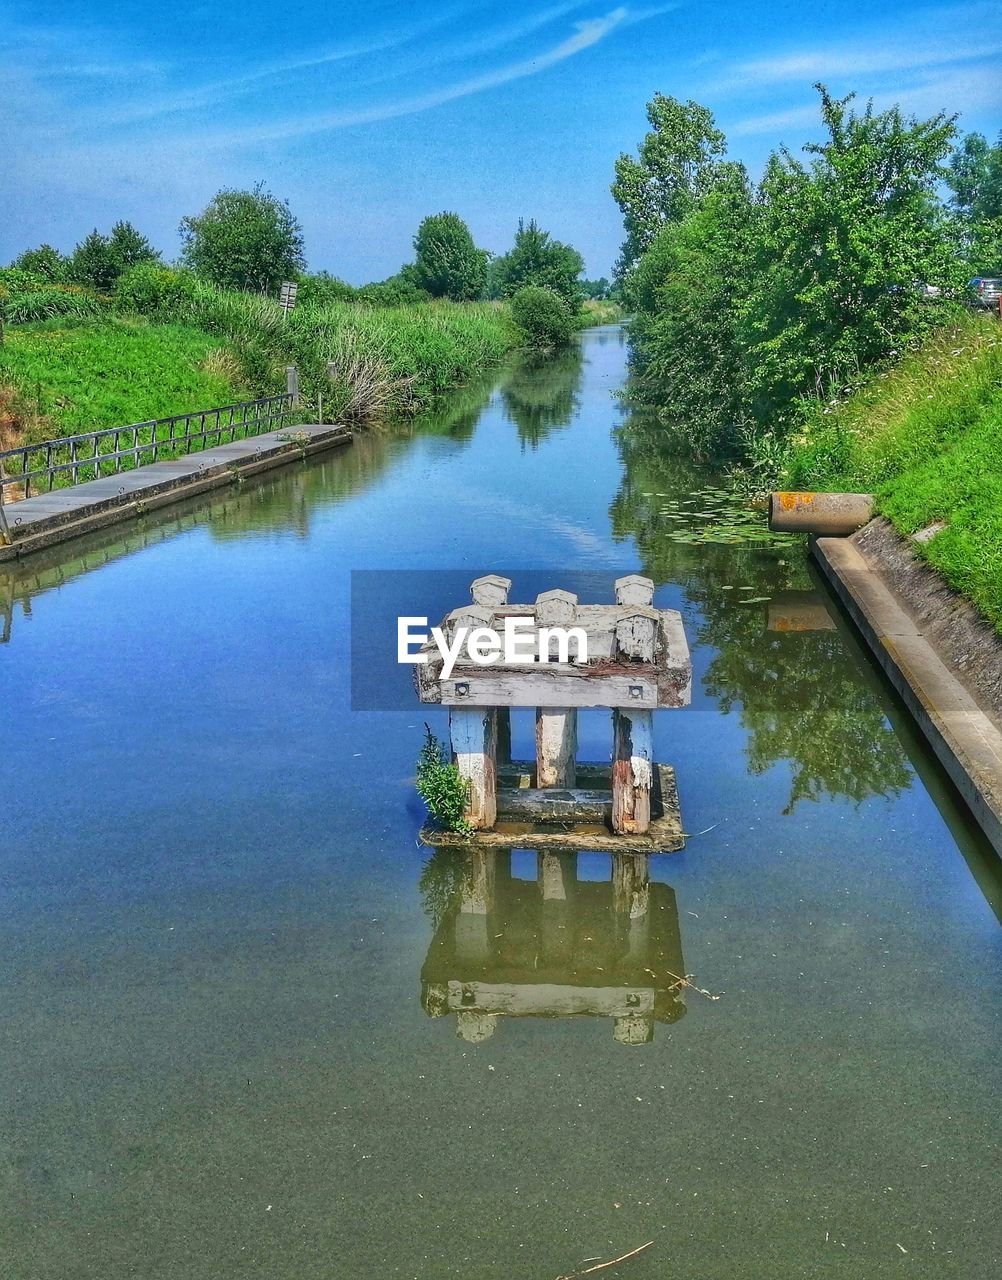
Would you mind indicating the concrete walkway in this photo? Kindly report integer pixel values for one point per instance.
(54, 517)
(965, 737)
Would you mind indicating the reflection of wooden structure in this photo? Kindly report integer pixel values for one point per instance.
(556, 947)
(637, 661)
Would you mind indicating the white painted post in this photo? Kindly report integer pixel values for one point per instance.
(292, 383)
(556, 746)
(473, 734)
(632, 770)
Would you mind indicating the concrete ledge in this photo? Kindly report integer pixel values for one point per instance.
(50, 518)
(965, 736)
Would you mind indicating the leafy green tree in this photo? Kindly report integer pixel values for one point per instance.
(975, 176)
(99, 260)
(536, 259)
(598, 290)
(448, 264)
(94, 263)
(247, 240)
(837, 248)
(689, 358)
(129, 248)
(676, 164)
(45, 262)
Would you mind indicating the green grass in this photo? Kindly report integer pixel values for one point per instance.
(396, 359)
(61, 378)
(599, 311)
(926, 438)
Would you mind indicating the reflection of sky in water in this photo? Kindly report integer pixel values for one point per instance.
(214, 929)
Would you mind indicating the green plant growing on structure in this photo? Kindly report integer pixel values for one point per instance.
(441, 788)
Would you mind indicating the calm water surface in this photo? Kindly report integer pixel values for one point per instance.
(221, 945)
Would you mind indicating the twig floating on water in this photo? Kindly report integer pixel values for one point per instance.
(602, 1266)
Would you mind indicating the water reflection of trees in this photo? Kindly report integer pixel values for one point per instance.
(457, 414)
(800, 696)
(541, 393)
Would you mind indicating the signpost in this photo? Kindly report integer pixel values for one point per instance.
(287, 297)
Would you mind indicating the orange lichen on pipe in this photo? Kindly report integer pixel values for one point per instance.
(831, 514)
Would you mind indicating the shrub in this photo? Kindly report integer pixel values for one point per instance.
(397, 291)
(544, 316)
(154, 290)
(322, 289)
(440, 786)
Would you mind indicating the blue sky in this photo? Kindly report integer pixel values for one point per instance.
(367, 116)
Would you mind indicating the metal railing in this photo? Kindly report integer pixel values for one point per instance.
(39, 468)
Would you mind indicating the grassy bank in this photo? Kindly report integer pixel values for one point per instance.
(62, 377)
(926, 438)
(168, 343)
(599, 311)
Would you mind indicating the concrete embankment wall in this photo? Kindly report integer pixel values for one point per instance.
(943, 660)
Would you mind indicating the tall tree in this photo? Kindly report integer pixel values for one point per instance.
(838, 246)
(536, 259)
(129, 248)
(675, 165)
(244, 240)
(448, 263)
(94, 264)
(975, 176)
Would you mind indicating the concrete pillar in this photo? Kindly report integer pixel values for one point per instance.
(632, 770)
(556, 746)
(473, 735)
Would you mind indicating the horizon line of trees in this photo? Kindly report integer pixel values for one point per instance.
(757, 303)
(251, 241)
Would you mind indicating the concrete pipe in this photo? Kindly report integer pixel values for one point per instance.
(829, 514)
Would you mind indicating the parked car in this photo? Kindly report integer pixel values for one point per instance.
(986, 291)
(919, 288)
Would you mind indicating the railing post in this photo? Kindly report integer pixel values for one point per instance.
(292, 384)
(4, 526)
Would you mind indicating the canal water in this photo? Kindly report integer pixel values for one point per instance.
(227, 965)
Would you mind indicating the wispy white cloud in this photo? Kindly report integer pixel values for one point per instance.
(251, 79)
(586, 35)
(947, 59)
(934, 38)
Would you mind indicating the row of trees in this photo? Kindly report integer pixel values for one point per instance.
(250, 240)
(753, 299)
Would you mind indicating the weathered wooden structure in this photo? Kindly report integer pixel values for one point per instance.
(556, 947)
(636, 660)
